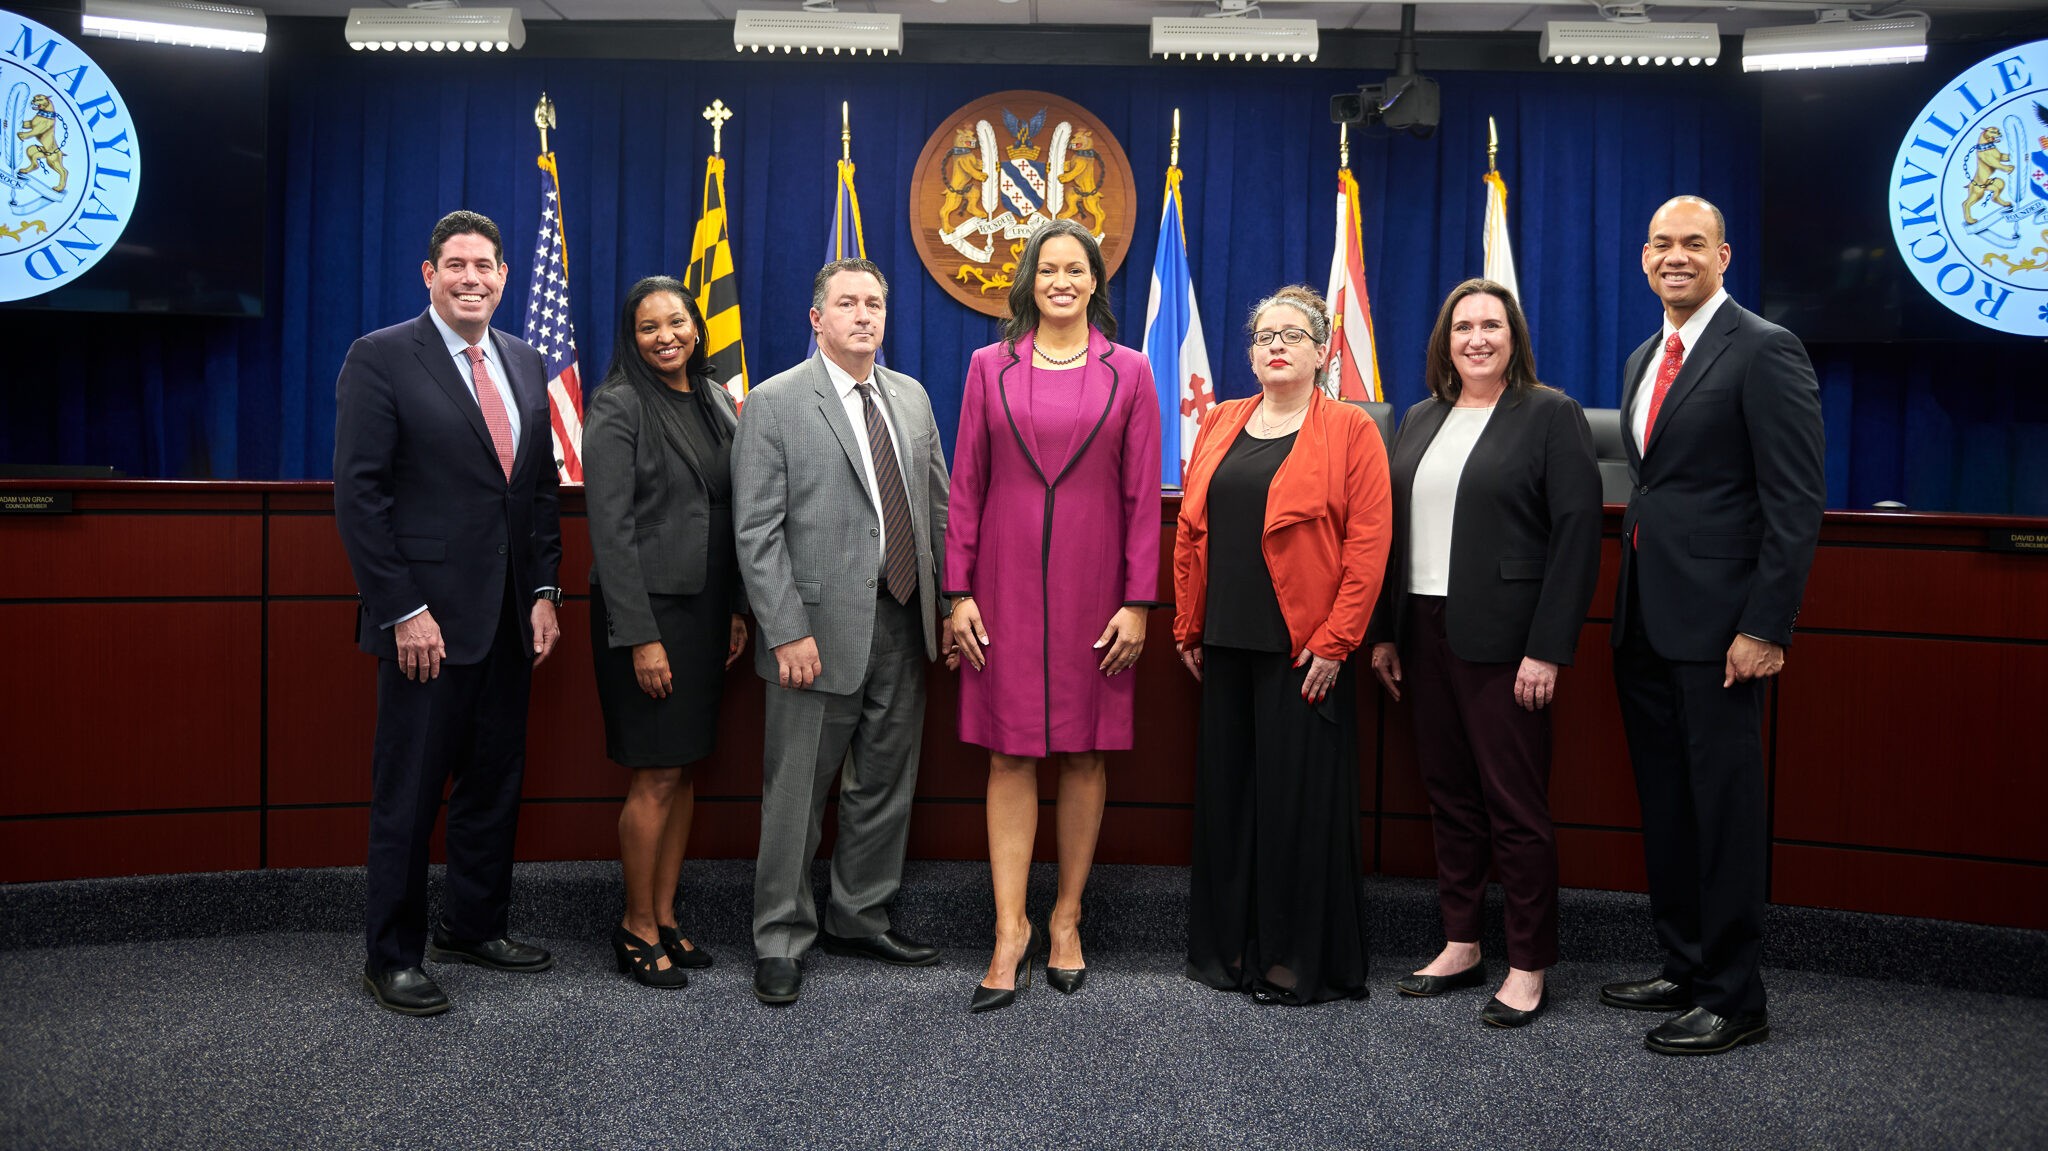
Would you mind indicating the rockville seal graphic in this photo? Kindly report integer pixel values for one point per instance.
(71, 167)
(1969, 193)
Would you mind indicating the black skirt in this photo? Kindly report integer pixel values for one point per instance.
(639, 730)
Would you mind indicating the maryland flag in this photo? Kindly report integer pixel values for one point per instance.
(1354, 359)
(717, 291)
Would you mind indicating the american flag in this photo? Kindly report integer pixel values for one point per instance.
(550, 331)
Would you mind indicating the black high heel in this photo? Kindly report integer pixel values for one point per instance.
(992, 998)
(1065, 980)
(690, 957)
(637, 958)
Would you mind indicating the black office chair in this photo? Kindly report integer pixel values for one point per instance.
(1612, 454)
(1382, 413)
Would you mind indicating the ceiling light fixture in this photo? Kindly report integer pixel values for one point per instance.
(1234, 38)
(195, 25)
(1650, 45)
(1835, 42)
(755, 30)
(435, 29)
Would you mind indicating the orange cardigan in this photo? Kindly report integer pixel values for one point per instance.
(1329, 520)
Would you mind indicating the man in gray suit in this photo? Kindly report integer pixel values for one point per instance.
(839, 506)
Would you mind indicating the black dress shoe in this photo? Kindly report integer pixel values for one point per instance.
(1701, 1032)
(1499, 1014)
(777, 980)
(1066, 980)
(888, 947)
(690, 957)
(499, 954)
(1428, 986)
(408, 991)
(1658, 994)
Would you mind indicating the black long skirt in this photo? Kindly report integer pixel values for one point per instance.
(696, 630)
(1278, 899)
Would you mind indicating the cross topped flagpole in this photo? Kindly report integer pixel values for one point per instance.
(718, 114)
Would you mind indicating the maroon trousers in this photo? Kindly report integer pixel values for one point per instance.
(1486, 764)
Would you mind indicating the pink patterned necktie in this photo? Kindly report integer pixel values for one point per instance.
(1674, 359)
(493, 404)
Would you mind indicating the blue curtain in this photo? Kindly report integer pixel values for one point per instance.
(368, 151)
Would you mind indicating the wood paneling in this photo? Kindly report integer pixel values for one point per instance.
(306, 558)
(323, 704)
(131, 706)
(1912, 590)
(1590, 777)
(1916, 744)
(154, 556)
(1612, 860)
(319, 837)
(1975, 891)
(97, 847)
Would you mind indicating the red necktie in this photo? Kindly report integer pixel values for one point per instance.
(493, 404)
(1674, 359)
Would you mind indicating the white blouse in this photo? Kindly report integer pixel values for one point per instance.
(1435, 498)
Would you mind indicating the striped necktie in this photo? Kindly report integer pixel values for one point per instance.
(899, 558)
(493, 404)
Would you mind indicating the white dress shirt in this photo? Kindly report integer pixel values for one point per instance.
(459, 349)
(857, 415)
(1689, 335)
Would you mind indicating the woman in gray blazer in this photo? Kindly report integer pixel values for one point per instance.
(1496, 549)
(665, 598)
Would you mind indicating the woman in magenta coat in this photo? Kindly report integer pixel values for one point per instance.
(1052, 560)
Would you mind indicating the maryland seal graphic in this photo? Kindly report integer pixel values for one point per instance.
(1970, 193)
(1000, 168)
(71, 165)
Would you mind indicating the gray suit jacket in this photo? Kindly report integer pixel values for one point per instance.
(650, 515)
(806, 525)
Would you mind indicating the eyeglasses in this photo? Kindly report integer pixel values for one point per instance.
(1289, 336)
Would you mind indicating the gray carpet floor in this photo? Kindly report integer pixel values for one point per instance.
(267, 1040)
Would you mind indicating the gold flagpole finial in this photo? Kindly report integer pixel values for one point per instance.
(544, 118)
(845, 134)
(718, 114)
(1173, 151)
(1492, 143)
(1343, 145)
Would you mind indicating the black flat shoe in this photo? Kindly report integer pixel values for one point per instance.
(777, 980)
(1701, 1032)
(639, 958)
(988, 998)
(408, 991)
(1658, 994)
(500, 954)
(1498, 1014)
(888, 947)
(690, 957)
(1430, 986)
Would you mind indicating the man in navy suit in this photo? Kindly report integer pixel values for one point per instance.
(445, 494)
(1725, 452)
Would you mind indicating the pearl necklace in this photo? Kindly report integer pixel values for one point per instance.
(1051, 361)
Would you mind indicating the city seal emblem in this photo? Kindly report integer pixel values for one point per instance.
(72, 165)
(999, 169)
(1969, 193)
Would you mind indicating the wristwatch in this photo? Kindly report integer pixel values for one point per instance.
(551, 594)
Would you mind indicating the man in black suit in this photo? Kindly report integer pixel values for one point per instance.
(1725, 453)
(445, 494)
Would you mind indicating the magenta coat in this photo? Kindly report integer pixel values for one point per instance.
(1051, 539)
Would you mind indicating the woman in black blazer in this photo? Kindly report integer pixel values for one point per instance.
(1496, 549)
(666, 598)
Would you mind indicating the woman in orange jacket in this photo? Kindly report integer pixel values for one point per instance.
(1284, 529)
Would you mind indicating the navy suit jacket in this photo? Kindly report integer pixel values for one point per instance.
(1729, 493)
(425, 511)
(1525, 530)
